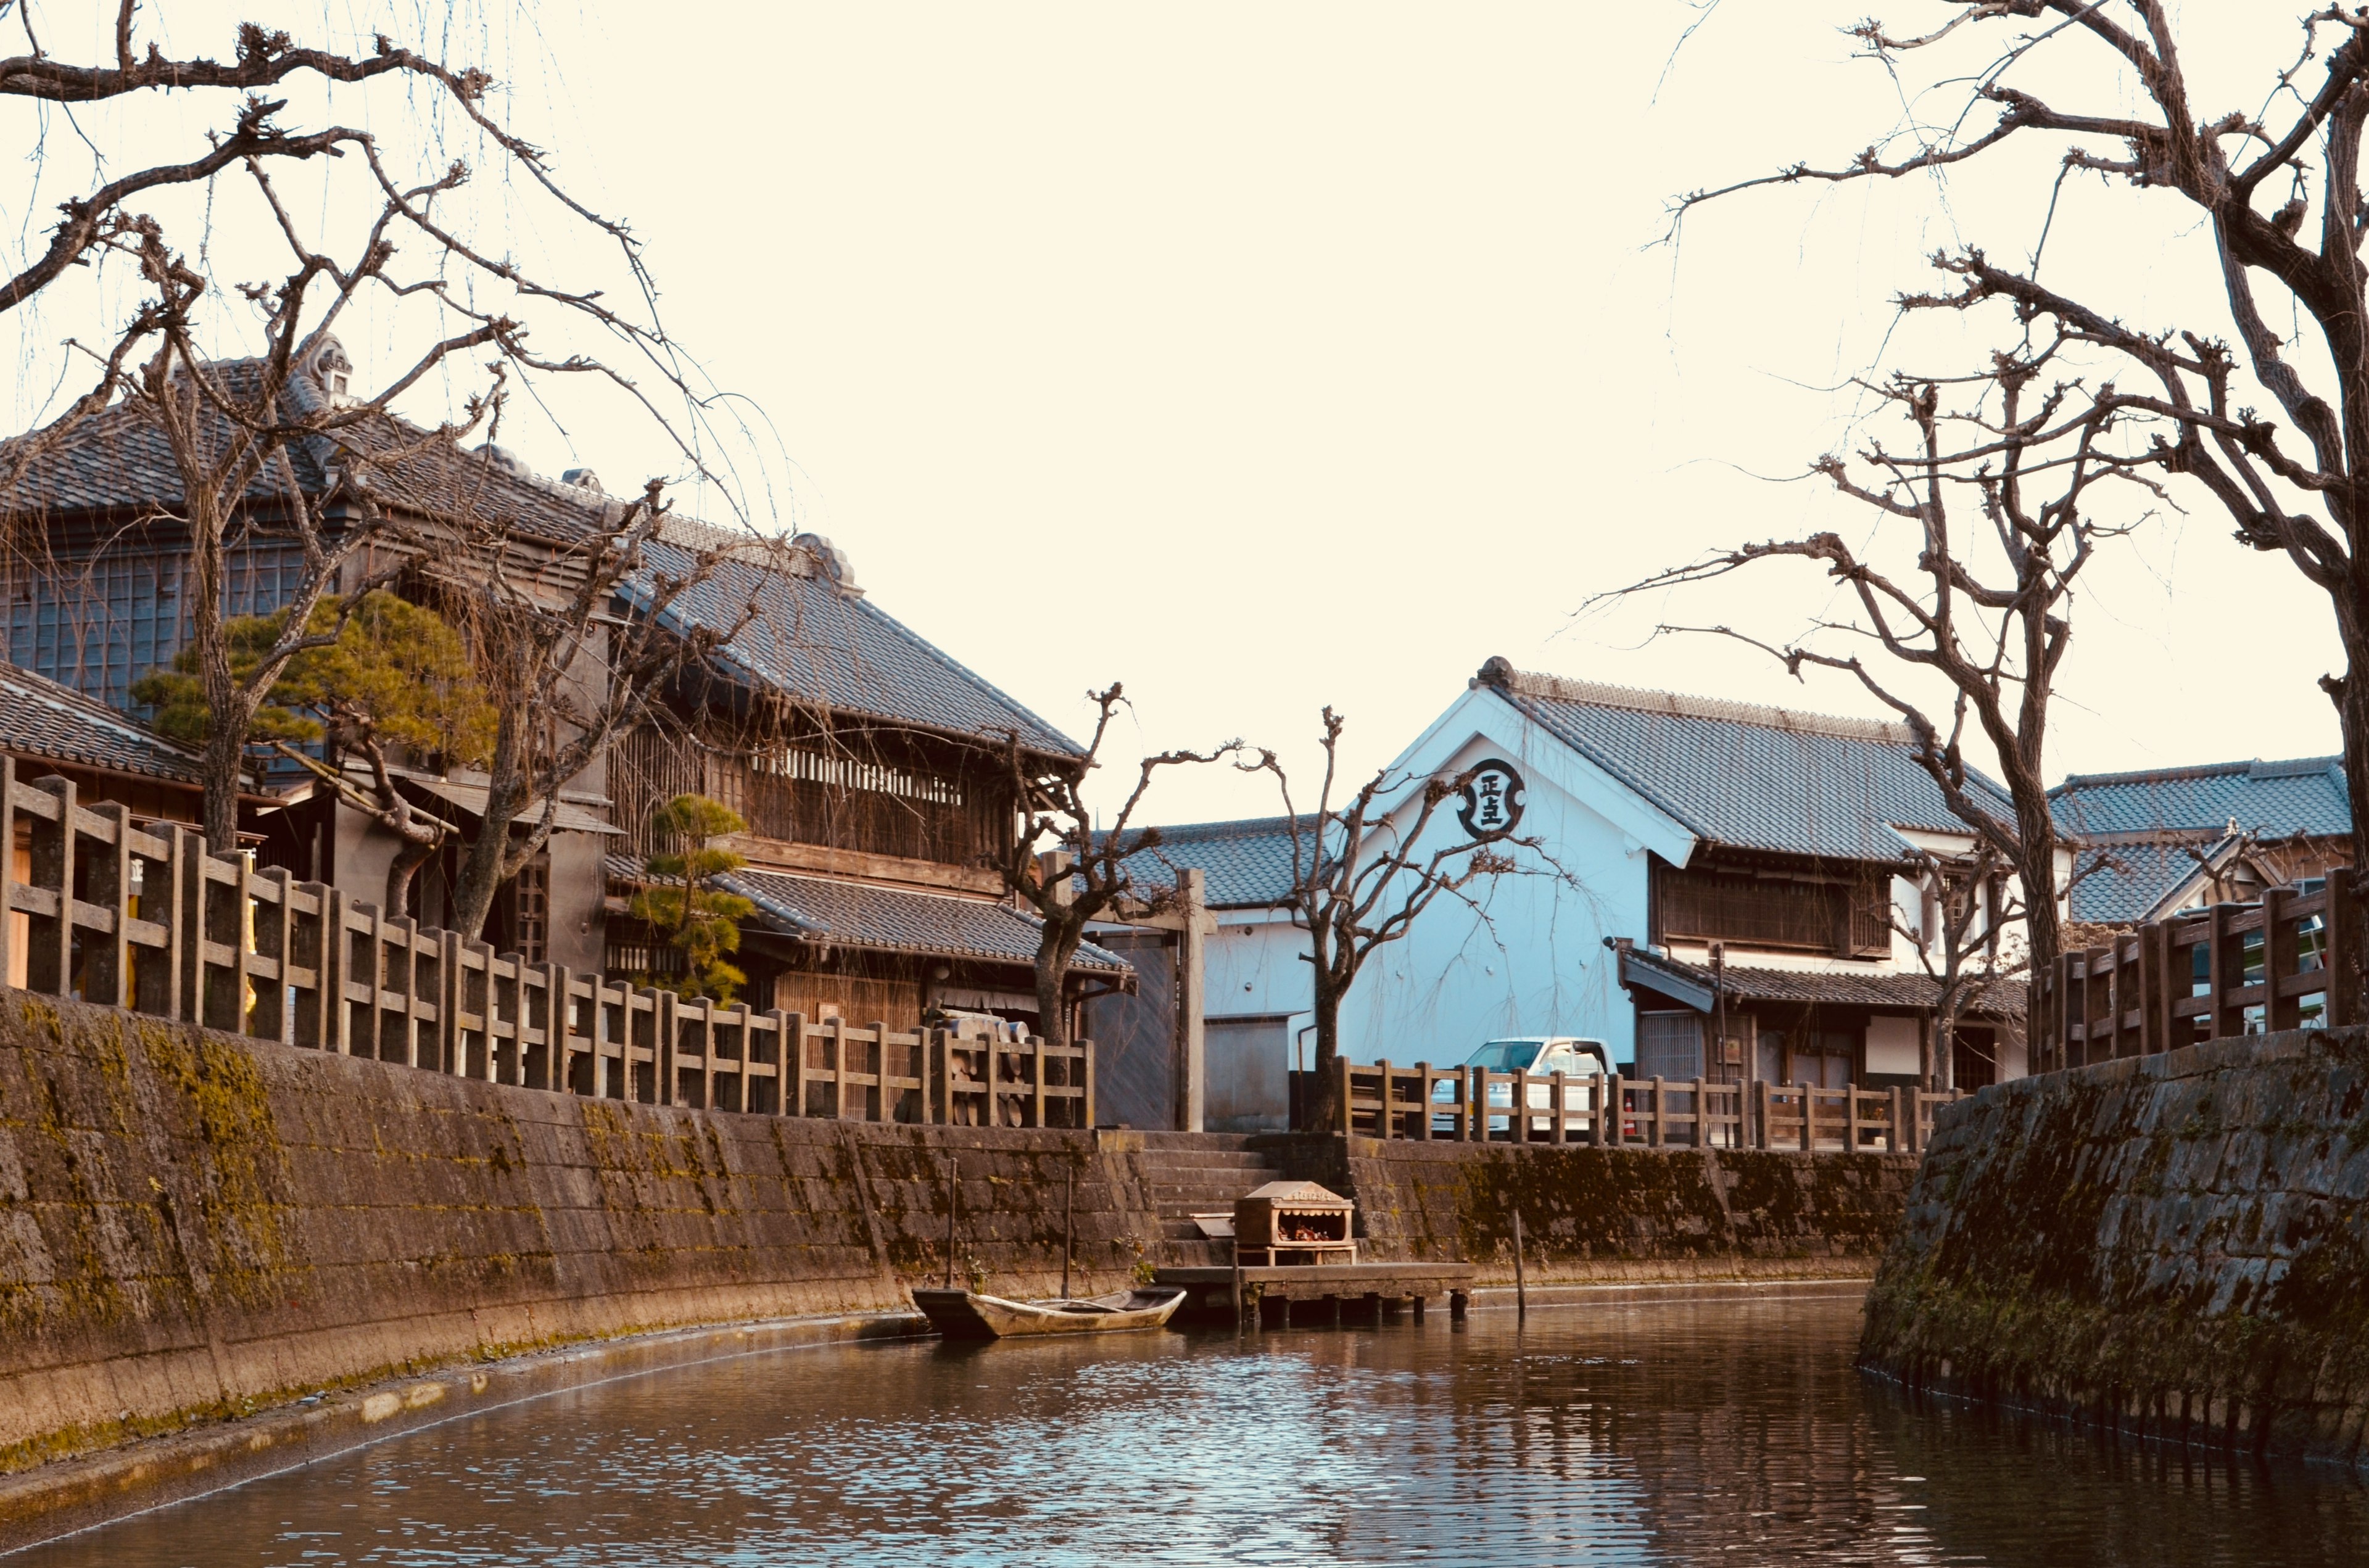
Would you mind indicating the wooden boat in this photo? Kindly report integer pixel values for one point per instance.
(964, 1314)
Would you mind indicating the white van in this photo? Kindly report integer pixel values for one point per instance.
(1540, 1056)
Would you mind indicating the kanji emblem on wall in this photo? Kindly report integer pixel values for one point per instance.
(1493, 799)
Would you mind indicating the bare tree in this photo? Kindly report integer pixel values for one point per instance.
(108, 219)
(1958, 941)
(1994, 492)
(576, 645)
(231, 427)
(1363, 872)
(2279, 187)
(1066, 870)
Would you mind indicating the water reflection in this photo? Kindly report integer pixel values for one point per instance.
(1689, 1431)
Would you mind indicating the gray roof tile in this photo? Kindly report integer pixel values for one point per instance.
(119, 461)
(2000, 998)
(2305, 796)
(1745, 776)
(40, 718)
(1244, 864)
(816, 642)
(890, 920)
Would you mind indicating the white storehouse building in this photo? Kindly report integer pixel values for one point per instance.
(1719, 888)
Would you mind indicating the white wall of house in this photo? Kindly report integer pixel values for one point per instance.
(1529, 955)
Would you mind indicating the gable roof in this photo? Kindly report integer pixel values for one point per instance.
(2304, 796)
(119, 460)
(818, 641)
(40, 718)
(1742, 775)
(2122, 879)
(1244, 864)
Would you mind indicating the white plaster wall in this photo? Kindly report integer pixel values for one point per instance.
(1530, 959)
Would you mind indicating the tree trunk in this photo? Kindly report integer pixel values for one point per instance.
(1052, 978)
(225, 759)
(1324, 1103)
(399, 871)
(2036, 864)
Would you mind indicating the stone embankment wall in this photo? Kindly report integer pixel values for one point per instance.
(1592, 1215)
(195, 1226)
(2176, 1245)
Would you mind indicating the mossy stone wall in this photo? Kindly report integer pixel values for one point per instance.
(2175, 1245)
(1592, 1215)
(194, 1225)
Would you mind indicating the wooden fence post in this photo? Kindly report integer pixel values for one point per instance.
(1037, 1081)
(48, 960)
(2344, 952)
(1554, 1088)
(107, 957)
(1760, 1113)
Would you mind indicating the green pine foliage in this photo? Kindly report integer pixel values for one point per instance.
(397, 674)
(698, 919)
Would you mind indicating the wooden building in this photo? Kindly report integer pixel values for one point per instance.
(875, 773)
(53, 731)
(96, 585)
(875, 776)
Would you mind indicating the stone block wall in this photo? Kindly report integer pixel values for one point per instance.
(195, 1225)
(1612, 1214)
(2176, 1245)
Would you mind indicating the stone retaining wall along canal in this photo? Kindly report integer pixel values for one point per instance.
(1593, 1215)
(196, 1226)
(2177, 1245)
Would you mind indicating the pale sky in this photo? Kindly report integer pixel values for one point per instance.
(1268, 356)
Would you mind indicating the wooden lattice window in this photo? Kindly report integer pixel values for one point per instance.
(1848, 918)
(530, 910)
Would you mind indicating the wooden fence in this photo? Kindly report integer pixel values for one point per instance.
(1474, 1104)
(2231, 970)
(154, 923)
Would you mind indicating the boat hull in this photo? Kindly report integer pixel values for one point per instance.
(964, 1314)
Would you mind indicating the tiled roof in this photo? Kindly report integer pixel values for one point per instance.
(2306, 796)
(119, 460)
(2000, 998)
(2124, 879)
(1745, 776)
(822, 910)
(40, 718)
(1244, 864)
(817, 642)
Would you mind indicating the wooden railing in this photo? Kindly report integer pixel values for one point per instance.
(1474, 1104)
(152, 921)
(2231, 970)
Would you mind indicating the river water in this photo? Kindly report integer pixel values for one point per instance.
(1690, 1429)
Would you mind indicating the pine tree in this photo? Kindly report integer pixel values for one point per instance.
(695, 918)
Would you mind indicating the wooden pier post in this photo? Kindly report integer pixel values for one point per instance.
(1521, 1287)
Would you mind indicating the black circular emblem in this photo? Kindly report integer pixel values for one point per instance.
(1493, 799)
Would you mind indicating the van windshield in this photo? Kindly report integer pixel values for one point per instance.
(1506, 1056)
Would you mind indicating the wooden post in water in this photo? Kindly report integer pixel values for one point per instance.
(1068, 1227)
(1521, 1287)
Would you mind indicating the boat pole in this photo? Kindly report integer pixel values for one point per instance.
(1068, 1227)
(1521, 1290)
(954, 1202)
